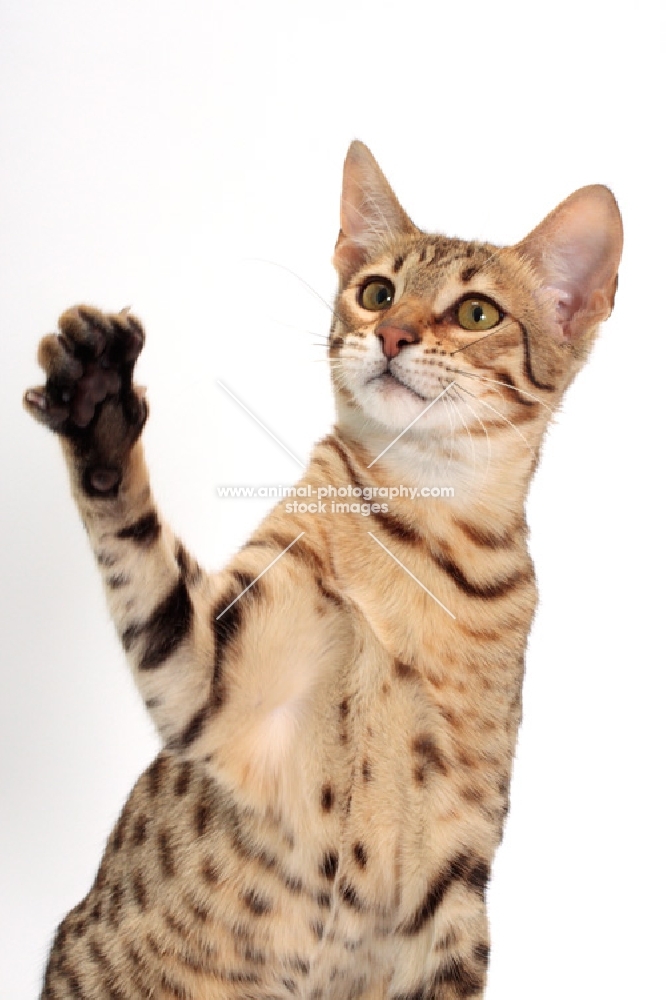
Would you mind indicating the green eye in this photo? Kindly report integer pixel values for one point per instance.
(376, 294)
(478, 314)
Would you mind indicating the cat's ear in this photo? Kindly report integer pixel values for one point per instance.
(575, 252)
(370, 214)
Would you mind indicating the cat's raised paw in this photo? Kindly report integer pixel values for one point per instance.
(89, 396)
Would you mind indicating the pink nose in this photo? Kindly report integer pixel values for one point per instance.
(394, 338)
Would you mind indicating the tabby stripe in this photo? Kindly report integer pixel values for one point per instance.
(463, 868)
(391, 524)
(167, 627)
(486, 591)
(144, 532)
(485, 539)
(464, 982)
(225, 629)
(527, 363)
(503, 376)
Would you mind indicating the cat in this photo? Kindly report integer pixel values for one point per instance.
(339, 705)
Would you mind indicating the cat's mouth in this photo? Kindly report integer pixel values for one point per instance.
(390, 382)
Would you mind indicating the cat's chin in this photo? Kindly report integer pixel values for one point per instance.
(394, 405)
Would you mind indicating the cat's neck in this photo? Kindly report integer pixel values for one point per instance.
(443, 476)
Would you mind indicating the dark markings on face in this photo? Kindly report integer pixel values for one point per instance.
(117, 581)
(366, 770)
(527, 363)
(143, 532)
(398, 262)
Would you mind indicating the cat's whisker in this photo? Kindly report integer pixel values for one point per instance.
(465, 425)
(501, 416)
(507, 385)
(489, 447)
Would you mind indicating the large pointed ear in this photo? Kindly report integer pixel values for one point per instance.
(370, 214)
(575, 253)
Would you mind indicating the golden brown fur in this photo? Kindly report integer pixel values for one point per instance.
(339, 739)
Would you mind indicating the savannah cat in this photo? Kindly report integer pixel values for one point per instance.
(339, 705)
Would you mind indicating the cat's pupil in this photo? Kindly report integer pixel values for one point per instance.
(477, 314)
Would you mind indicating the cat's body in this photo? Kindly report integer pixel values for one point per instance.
(340, 728)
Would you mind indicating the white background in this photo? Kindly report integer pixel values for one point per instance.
(147, 152)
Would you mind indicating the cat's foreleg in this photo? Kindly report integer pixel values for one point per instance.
(226, 663)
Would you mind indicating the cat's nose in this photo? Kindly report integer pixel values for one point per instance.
(394, 338)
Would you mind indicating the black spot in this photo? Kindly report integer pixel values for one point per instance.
(139, 833)
(139, 891)
(327, 798)
(167, 627)
(349, 895)
(468, 273)
(366, 770)
(317, 929)
(429, 754)
(398, 262)
(323, 900)
(481, 953)
(117, 581)
(202, 815)
(167, 863)
(256, 903)
(360, 855)
(143, 532)
(329, 865)
(182, 782)
(116, 903)
(156, 773)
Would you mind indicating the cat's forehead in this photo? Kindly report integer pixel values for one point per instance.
(434, 267)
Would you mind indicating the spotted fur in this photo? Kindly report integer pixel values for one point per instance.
(339, 731)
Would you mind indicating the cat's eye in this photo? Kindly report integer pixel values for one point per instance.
(478, 314)
(376, 294)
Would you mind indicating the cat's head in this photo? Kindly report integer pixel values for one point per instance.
(493, 332)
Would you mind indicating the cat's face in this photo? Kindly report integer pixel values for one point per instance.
(451, 334)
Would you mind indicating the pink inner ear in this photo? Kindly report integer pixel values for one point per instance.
(576, 252)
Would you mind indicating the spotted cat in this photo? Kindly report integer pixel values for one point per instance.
(339, 705)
